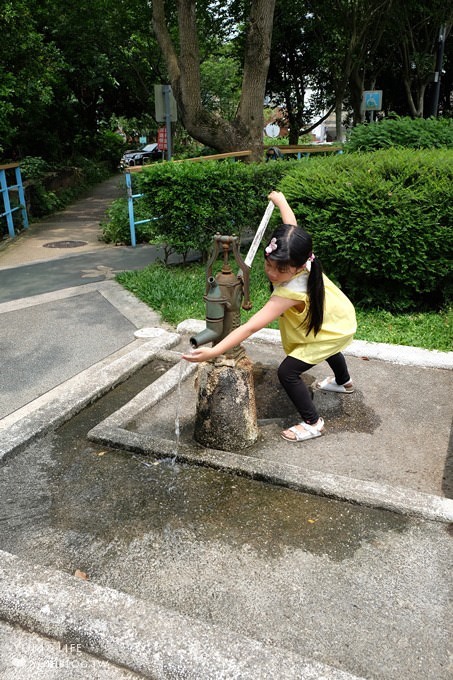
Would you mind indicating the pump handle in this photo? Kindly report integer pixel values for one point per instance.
(259, 234)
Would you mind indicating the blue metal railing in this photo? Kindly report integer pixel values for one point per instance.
(130, 205)
(8, 210)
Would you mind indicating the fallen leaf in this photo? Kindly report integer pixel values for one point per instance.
(312, 521)
(101, 453)
(81, 574)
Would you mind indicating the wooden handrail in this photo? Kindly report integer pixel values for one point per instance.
(217, 156)
(299, 148)
(8, 166)
(197, 159)
(284, 148)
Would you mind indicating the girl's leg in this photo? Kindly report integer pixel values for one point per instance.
(337, 363)
(289, 375)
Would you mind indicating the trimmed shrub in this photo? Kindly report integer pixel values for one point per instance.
(415, 133)
(193, 201)
(381, 223)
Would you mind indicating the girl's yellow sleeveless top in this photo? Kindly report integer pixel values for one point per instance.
(337, 330)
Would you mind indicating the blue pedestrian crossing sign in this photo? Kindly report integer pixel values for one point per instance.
(372, 100)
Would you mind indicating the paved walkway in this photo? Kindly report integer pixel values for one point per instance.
(78, 222)
(60, 308)
(369, 602)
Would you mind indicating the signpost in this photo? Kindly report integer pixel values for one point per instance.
(372, 101)
(162, 139)
(165, 111)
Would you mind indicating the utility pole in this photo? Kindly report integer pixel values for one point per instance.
(165, 111)
(438, 71)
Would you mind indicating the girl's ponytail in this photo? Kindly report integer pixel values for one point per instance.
(315, 289)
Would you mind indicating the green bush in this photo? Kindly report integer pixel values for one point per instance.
(382, 224)
(116, 229)
(33, 167)
(193, 201)
(110, 148)
(418, 133)
(381, 221)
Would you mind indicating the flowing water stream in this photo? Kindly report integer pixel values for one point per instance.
(178, 409)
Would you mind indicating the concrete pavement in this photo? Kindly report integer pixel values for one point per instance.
(366, 597)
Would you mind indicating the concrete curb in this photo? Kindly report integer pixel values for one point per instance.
(398, 354)
(141, 636)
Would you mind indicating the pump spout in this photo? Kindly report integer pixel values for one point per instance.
(205, 336)
(215, 313)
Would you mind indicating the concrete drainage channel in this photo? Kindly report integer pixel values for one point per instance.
(133, 632)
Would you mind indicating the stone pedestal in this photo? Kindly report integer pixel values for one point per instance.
(226, 409)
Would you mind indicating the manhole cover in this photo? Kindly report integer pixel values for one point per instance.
(65, 244)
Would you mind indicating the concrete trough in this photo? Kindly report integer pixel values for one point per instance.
(139, 427)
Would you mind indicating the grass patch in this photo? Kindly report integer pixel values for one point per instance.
(431, 330)
(176, 292)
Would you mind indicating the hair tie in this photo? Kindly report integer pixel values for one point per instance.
(310, 259)
(272, 246)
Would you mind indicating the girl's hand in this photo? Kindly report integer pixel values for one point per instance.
(200, 354)
(276, 197)
(279, 200)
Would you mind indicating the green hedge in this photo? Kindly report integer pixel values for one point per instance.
(382, 224)
(381, 221)
(414, 133)
(193, 201)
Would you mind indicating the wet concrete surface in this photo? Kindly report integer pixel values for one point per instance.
(370, 434)
(333, 581)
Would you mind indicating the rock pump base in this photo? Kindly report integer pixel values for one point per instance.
(226, 410)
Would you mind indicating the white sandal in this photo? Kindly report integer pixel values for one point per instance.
(308, 431)
(329, 385)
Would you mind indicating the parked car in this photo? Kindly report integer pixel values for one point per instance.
(142, 156)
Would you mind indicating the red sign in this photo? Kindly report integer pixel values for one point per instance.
(162, 139)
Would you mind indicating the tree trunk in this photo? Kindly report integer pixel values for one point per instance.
(356, 89)
(245, 131)
(416, 103)
(338, 118)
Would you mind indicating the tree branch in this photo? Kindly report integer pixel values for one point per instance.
(165, 43)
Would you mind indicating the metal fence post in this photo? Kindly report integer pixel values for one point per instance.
(6, 203)
(5, 189)
(130, 205)
(20, 190)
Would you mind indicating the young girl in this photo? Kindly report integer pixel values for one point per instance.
(316, 320)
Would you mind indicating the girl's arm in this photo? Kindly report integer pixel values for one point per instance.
(286, 213)
(271, 311)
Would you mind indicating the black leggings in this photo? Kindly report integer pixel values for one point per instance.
(289, 375)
